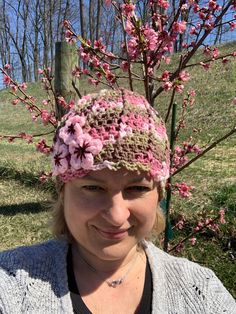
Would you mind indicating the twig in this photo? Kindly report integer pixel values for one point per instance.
(193, 233)
(33, 135)
(205, 150)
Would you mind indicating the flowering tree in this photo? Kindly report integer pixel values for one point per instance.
(145, 57)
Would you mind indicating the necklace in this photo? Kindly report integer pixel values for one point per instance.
(111, 283)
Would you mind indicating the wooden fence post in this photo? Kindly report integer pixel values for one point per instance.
(66, 58)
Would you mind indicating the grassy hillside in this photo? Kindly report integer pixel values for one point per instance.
(23, 214)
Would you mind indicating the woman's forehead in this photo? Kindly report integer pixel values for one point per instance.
(122, 174)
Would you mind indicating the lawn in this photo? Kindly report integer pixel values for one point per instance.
(24, 203)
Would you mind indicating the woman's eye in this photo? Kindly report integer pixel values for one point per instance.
(138, 188)
(92, 188)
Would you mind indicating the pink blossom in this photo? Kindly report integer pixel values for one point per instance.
(193, 241)
(212, 52)
(82, 151)
(180, 224)
(40, 71)
(192, 93)
(27, 137)
(179, 151)
(206, 66)
(234, 101)
(179, 247)
(93, 81)
(183, 189)
(95, 62)
(128, 9)
(62, 102)
(45, 102)
(13, 87)
(7, 66)
(167, 60)
(124, 66)
(66, 24)
(110, 77)
(133, 48)
(151, 38)
(212, 5)
(45, 116)
(167, 85)
(15, 101)
(199, 226)
(202, 15)
(179, 27)
(184, 76)
(34, 118)
(77, 72)
(42, 147)
(222, 215)
(161, 3)
(214, 227)
(165, 75)
(99, 45)
(232, 25)
(129, 28)
(193, 31)
(179, 88)
(215, 52)
(225, 61)
(6, 80)
(106, 67)
(85, 56)
(70, 37)
(98, 75)
(23, 86)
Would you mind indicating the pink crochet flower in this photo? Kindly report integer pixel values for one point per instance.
(82, 151)
(60, 162)
(72, 129)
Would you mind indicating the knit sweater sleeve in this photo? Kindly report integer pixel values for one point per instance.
(219, 299)
(184, 287)
(33, 280)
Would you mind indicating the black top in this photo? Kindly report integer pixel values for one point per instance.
(79, 307)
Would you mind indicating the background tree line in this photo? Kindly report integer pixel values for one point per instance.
(30, 28)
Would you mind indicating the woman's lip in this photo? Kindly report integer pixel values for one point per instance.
(115, 234)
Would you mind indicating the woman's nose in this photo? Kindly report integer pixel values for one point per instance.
(117, 210)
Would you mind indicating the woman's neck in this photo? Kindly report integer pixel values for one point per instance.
(111, 266)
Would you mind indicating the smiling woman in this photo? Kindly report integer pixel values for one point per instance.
(111, 160)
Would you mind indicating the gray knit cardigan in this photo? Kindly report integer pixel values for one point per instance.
(34, 280)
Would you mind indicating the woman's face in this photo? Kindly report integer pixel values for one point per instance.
(109, 212)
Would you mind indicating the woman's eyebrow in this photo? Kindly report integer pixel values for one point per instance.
(131, 181)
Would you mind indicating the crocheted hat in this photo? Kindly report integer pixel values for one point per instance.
(111, 129)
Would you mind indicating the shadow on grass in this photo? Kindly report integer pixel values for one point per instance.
(28, 179)
(24, 208)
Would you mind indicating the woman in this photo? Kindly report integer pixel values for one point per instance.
(111, 160)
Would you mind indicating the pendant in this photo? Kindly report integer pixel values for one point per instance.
(115, 283)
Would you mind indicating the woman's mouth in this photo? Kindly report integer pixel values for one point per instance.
(112, 234)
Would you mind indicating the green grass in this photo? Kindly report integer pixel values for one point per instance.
(24, 200)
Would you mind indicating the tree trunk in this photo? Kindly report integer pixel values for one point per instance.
(91, 20)
(82, 22)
